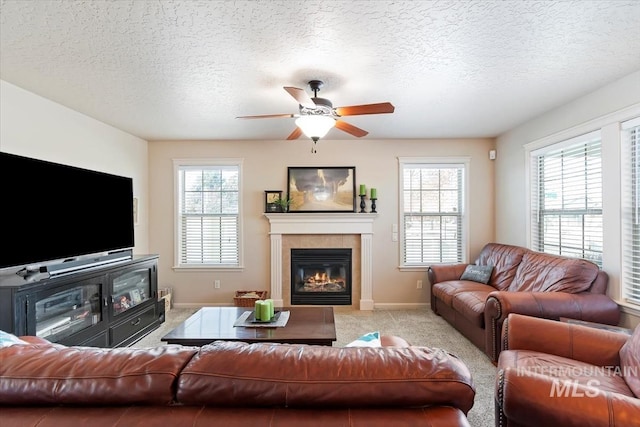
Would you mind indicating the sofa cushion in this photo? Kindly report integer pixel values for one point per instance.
(630, 361)
(445, 291)
(477, 273)
(470, 305)
(504, 259)
(540, 272)
(231, 373)
(55, 374)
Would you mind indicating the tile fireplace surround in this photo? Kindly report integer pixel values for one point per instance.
(322, 230)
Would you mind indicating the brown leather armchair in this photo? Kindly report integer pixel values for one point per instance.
(560, 374)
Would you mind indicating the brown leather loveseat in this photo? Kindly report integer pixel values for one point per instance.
(232, 384)
(521, 281)
(560, 374)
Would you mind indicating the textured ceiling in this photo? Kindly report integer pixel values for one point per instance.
(185, 69)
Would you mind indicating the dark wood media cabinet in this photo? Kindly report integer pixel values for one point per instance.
(110, 305)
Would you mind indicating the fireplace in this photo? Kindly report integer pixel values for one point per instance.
(321, 276)
(322, 230)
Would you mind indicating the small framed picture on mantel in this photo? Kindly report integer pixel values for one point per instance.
(271, 198)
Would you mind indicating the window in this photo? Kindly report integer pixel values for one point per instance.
(631, 210)
(566, 198)
(208, 213)
(432, 211)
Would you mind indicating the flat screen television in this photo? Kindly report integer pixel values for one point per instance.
(54, 212)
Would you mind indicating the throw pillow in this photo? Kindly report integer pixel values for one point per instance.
(477, 273)
(372, 339)
(7, 339)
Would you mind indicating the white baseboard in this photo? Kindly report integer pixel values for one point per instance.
(402, 306)
(382, 306)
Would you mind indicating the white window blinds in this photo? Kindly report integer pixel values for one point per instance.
(631, 210)
(566, 198)
(208, 213)
(432, 213)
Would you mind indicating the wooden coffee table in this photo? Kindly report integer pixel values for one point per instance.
(306, 325)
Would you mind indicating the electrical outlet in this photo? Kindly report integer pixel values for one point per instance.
(419, 284)
(216, 284)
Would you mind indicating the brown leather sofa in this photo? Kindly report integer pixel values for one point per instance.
(522, 281)
(232, 384)
(560, 374)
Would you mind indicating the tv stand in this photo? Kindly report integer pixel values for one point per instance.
(106, 304)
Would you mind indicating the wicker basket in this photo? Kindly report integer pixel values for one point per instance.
(248, 298)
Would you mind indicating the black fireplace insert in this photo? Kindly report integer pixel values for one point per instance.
(321, 276)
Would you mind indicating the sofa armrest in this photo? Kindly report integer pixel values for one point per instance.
(553, 305)
(393, 341)
(534, 399)
(34, 340)
(594, 346)
(549, 305)
(443, 272)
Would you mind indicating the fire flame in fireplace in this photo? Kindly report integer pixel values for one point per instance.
(321, 281)
(320, 277)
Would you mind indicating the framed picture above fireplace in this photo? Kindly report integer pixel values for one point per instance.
(322, 189)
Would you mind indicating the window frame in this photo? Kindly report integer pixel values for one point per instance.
(464, 163)
(178, 165)
(627, 284)
(609, 125)
(535, 234)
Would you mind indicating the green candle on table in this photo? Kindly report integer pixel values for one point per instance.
(272, 311)
(363, 190)
(257, 312)
(265, 311)
(374, 193)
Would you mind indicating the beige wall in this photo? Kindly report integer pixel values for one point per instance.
(601, 109)
(265, 168)
(33, 126)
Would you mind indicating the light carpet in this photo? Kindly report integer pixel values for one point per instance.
(419, 327)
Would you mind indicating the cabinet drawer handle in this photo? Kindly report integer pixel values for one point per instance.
(136, 322)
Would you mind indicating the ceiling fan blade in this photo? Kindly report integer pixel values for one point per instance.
(267, 116)
(301, 96)
(349, 128)
(356, 110)
(295, 134)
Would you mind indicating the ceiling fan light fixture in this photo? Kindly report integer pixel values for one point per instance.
(315, 126)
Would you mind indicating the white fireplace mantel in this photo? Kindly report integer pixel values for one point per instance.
(323, 223)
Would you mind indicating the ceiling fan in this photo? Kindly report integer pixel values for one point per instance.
(317, 115)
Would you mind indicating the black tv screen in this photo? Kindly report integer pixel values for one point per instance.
(54, 211)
